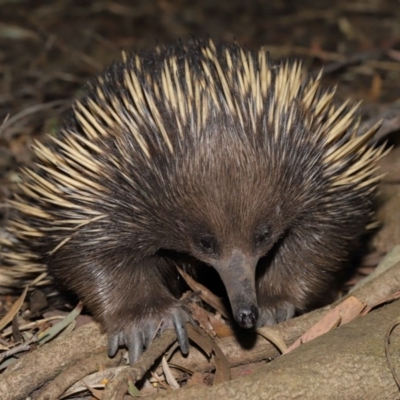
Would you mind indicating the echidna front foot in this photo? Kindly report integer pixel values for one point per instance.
(275, 314)
(138, 335)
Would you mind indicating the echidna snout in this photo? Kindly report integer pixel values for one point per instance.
(238, 275)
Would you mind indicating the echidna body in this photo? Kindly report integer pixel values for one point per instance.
(202, 149)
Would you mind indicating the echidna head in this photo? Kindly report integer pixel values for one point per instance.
(233, 248)
(236, 266)
(230, 215)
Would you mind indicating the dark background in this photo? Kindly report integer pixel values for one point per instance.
(48, 50)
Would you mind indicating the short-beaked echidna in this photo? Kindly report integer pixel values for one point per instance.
(205, 150)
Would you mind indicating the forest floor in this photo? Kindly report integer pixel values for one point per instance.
(49, 49)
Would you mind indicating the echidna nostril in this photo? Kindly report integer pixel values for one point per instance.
(247, 316)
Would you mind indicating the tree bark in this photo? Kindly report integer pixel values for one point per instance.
(346, 363)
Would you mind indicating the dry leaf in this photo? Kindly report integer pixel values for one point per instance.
(210, 298)
(274, 337)
(343, 313)
(13, 310)
(169, 376)
(222, 369)
(220, 328)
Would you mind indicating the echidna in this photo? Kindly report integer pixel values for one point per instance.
(205, 150)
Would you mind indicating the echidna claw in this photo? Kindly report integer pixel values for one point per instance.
(113, 343)
(179, 322)
(276, 314)
(138, 336)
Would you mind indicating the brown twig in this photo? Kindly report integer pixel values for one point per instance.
(116, 389)
(75, 373)
(355, 59)
(390, 117)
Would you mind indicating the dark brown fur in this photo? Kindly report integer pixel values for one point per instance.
(237, 199)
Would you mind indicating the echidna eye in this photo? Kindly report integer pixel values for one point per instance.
(262, 237)
(207, 244)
